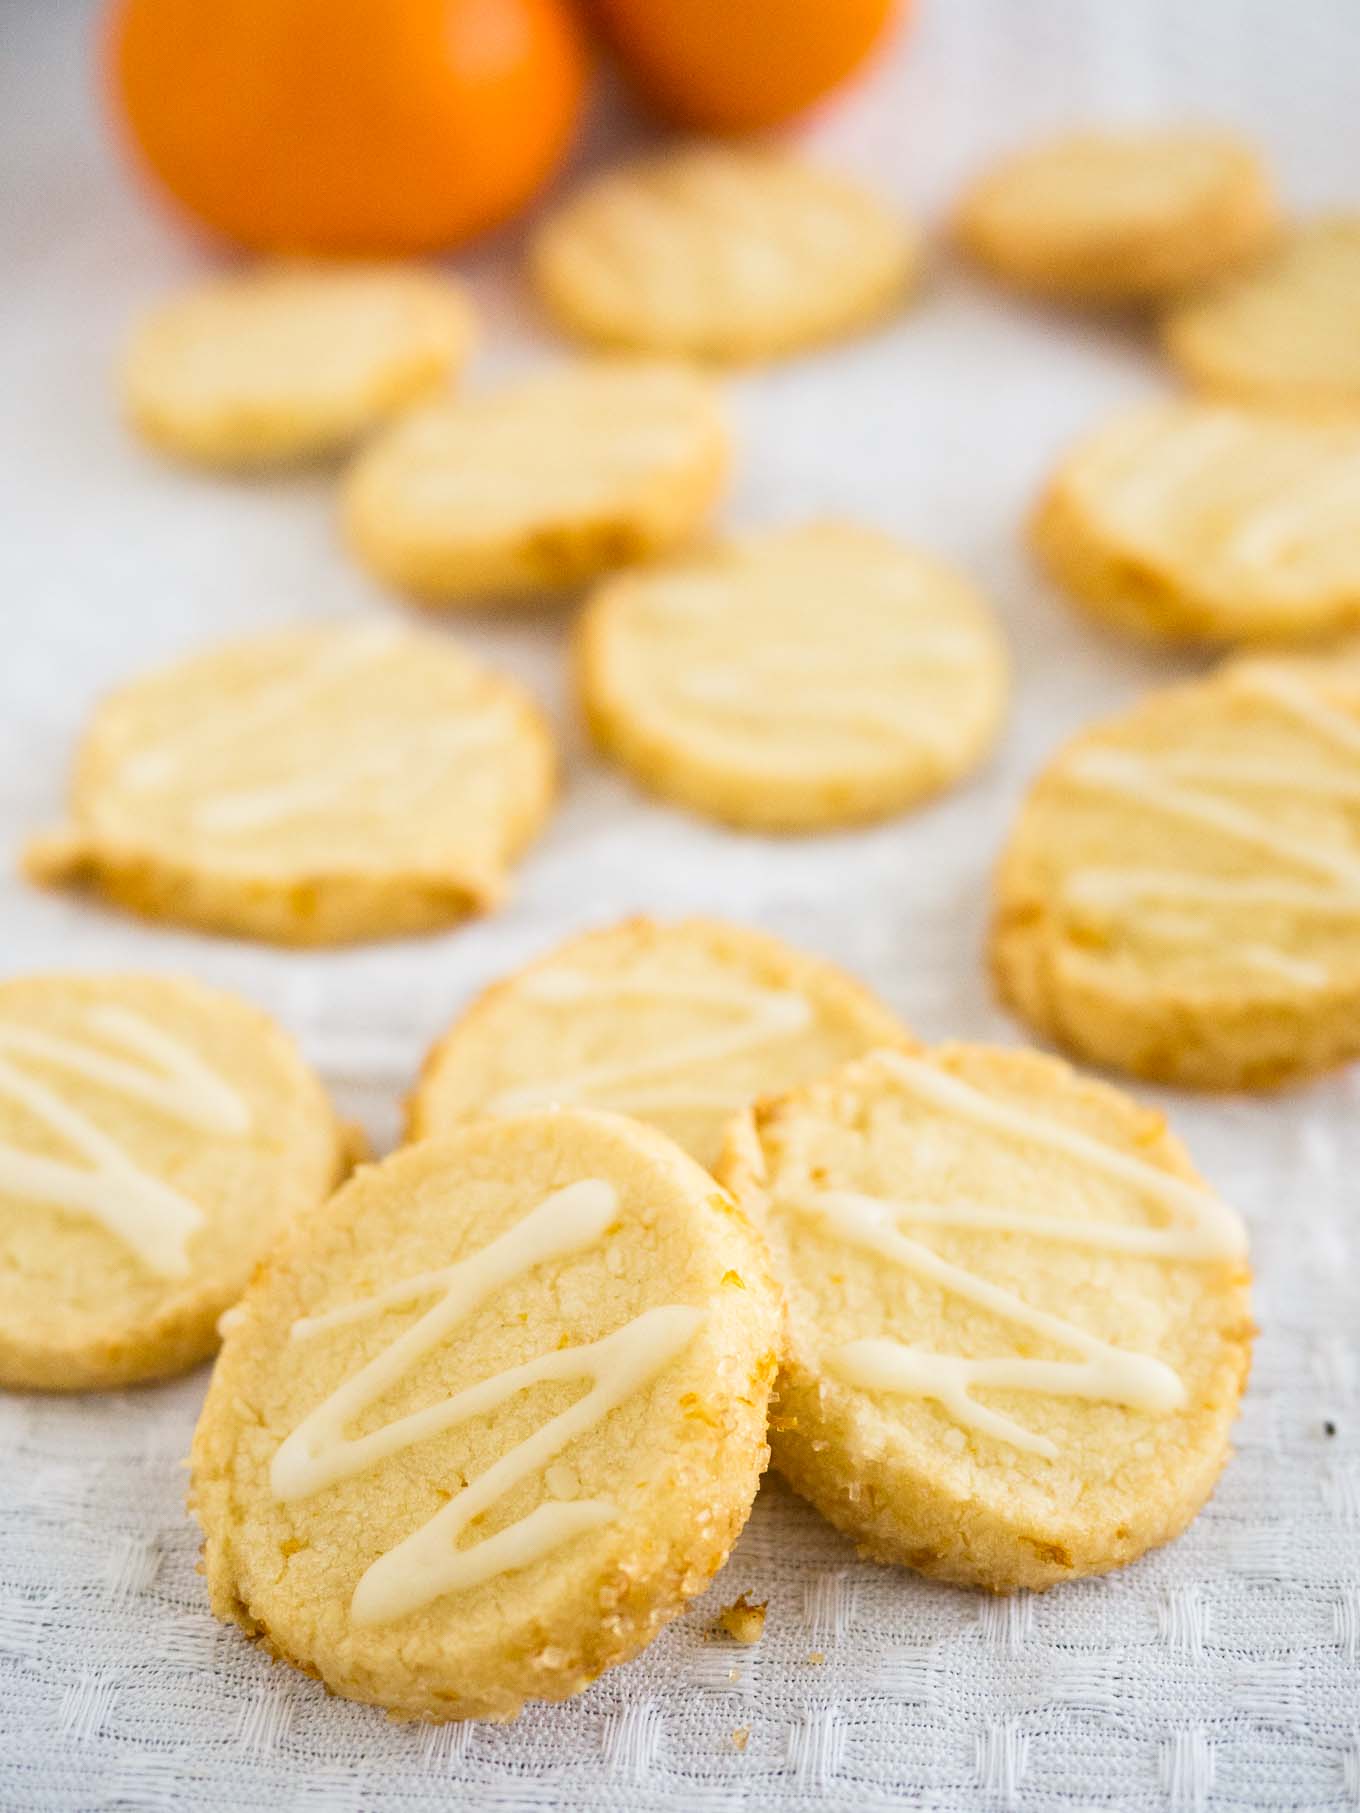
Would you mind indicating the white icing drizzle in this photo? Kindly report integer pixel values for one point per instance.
(1298, 700)
(1106, 1375)
(158, 766)
(1314, 507)
(1210, 1229)
(429, 1563)
(1111, 887)
(181, 1085)
(1138, 778)
(1158, 784)
(844, 705)
(147, 1214)
(1242, 771)
(1202, 1228)
(1150, 471)
(407, 754)
(768, 1014)
(1301, 972)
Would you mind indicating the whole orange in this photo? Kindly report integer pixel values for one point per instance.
(738, 65)
(355, 127)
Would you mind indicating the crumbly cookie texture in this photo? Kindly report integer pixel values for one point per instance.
(491, 1418)
(1284, 334)
(544, 484)
(309, 786)
(1109, 218)
(1019, 1323)
(1194, 522)
(1180, 895)
(291, 362)
(156, 1137)
(679, 1024)
(724, 253)
(796, 679)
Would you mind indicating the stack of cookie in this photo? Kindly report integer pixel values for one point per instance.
(492, 1413)
(488, 1417)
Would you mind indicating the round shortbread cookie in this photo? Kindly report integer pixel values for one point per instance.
(491, 1419)
(1188, 522)
(1119, 217)
(291, 362)
(1019, 1325)
(679, 1025)
(795, 679)
(1180, 896)
(309, 786)
(722, 252)
(547, 483)
(1286, 334)
(156, 1136)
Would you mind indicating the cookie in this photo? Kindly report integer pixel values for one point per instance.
(156, 1136)
(678, 1024)
(291, 362)
(1126, 217)
(1180, 895)
(1190, 522)
(544, 484)
(722, 252)
(309, 786)
(1018, 1325)
(492, 1417)
(796, 679)
(1286, 333)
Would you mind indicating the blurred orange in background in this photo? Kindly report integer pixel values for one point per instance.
(738, 65)
(355, 127)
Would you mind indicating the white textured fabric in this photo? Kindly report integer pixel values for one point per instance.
(1221, 1673)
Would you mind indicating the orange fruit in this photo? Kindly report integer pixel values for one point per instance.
(354, 127)
(739, 65)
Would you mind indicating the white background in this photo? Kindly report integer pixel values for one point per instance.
(1220, 1673)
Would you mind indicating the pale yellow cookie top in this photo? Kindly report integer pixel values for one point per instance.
(722, 252)
(1285, 333)
(1009, 1293)
(796, 677)
(330, 752)
(546, 481)
(1119, 216)
(1213, 521)
(155, 1136)
(491, 1417)
(1204, 846)
(291, 361)
(679, 1024)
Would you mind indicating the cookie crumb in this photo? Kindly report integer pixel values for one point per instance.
(817, 1657)
(744, 1619)
(741, 1737)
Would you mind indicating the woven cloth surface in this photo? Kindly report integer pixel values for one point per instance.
(1223, 1672)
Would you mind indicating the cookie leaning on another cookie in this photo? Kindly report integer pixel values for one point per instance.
(678, 1024)
(1192, 522)
(156, 1137)
(291, 362)
(722, 252)
(491, 1418)
(1018, 1322)
(1286, 333)
(310, 786)
(544, 484)
(1109, 218)
(1180, 895)
(796, 679)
